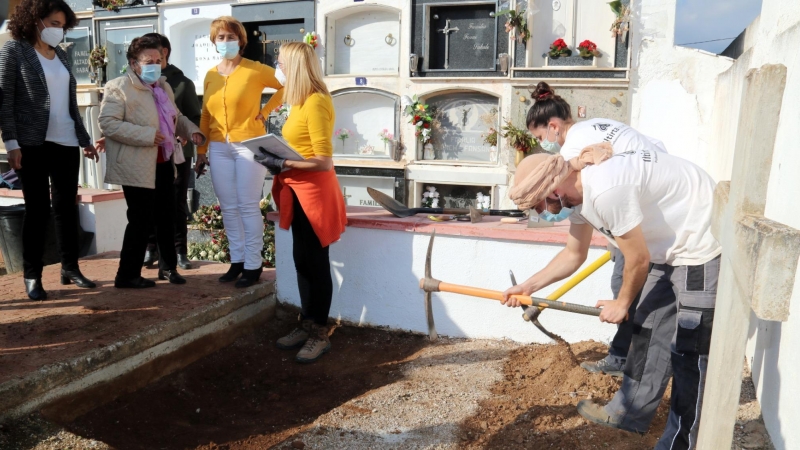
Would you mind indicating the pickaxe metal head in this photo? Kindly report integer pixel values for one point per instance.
(475, 216)
(428, 306)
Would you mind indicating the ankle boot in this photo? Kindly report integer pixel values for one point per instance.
(33, 286)
(183, 261)
(75, 276)
(150, 256)
(233, 272)
(249, 278)
(172, 275)
(318, 344)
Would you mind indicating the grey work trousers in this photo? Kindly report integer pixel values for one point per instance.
(671, 337)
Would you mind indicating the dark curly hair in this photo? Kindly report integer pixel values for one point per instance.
(142, 43)
(23, 24)
(546, 106)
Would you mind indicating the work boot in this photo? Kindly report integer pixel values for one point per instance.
(150, 256)
(593, 412)
(297, 337)
(610, 365)
(316, 345)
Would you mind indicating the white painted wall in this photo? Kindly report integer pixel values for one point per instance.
(691, 100)
(376, 277)
(108, 217)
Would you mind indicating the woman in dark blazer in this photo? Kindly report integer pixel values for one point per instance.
(42, 131)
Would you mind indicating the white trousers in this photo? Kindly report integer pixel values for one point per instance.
(238, 182)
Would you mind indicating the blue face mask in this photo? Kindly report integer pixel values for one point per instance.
(562, 215)
(150, 73)
(229, 49)
(550, 146)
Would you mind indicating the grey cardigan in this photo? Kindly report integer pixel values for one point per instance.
(25, 112)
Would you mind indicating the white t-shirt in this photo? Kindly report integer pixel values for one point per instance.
(61, 127)
(622, 138)
(670, 198)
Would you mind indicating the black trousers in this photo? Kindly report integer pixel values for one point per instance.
(181, 210)
(622, 339)
(312, 262)
(49, 169)
(148, 208)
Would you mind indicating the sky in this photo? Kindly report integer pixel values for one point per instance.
(703, 20)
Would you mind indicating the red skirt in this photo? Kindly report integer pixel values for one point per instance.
(321, 197)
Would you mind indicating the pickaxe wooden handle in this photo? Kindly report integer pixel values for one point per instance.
(433, 285)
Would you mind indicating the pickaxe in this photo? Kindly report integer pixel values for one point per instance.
(430, 284)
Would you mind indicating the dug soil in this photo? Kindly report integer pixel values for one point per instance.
(534, 406)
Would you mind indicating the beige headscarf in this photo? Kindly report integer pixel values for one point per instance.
(540, 174)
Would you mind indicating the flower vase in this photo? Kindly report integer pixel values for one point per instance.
(493, 154)
(520, 155)
(427, 151)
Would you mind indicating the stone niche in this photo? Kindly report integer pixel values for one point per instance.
(365, 114)
(268, 25)
(585, 103)
(459, 196)
(116, 35)
(463, 39)
(364, 39)
(461, 122)
(190, 26)
(574, 21)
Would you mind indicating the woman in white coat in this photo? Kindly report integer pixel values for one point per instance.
(140, 121)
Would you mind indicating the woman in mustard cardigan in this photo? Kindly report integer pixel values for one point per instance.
(308, 195)
(231, 114)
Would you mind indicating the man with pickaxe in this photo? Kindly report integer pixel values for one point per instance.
(656, 209)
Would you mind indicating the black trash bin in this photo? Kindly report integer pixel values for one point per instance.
(11, 238)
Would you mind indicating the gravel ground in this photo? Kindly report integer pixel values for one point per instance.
(440, 387)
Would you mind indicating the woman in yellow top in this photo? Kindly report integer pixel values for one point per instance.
(231, 114)
(308, 194)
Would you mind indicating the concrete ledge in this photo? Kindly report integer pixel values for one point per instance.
(35, 390)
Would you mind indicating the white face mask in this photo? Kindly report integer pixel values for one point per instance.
(51, 36)
(280, 76)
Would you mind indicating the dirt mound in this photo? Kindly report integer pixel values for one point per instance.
(534, 406)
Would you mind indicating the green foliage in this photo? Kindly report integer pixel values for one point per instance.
(518, 138)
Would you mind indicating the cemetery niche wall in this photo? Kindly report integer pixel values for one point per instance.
(574, 21)
(366, 123)
(457, 39)
(363, 40)
(462, 120)
(268, 25)
(188, 28)
(116, 30)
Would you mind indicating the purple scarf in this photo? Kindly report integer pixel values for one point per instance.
(166, 120)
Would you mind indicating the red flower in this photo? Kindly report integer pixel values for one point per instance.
(216, 207)
(426, 125)
(416, 119)
(588, 45)
(559, 44)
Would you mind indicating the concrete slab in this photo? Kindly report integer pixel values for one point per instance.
(82, 338)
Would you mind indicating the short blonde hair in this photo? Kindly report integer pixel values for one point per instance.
(229, 23)
(303, 73)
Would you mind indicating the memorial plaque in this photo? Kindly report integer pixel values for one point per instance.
(79, 45)
(462, 119)
(354, 189)
(364, 114)
(269, 25)
(365, 42)
(461, 37)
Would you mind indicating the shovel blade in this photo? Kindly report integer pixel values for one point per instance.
(390, 204)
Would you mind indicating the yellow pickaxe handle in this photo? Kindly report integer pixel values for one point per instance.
(580, 276)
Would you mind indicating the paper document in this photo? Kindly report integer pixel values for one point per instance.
(273, 144)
